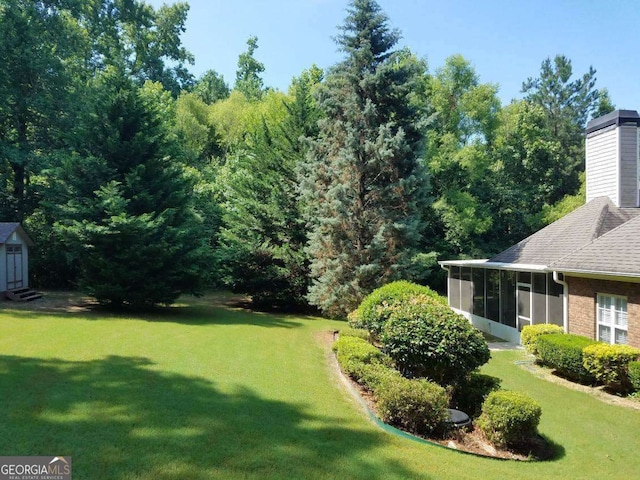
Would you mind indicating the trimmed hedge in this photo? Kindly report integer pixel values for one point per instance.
(349, 349)
(427, 339)
(634, 376)
(373, 313)
(530, 333)
(509, 418)
(417, 406)
(469, 395)
(609, 364)
(355, 332)
(563, 352)
(372, 376)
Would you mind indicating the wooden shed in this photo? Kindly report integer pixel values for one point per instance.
(14, 257)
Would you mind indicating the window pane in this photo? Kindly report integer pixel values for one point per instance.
(604, 334)
(621, 319)
(524, 277)
(508, 294)
(555, 303)
(604, 315)
(493, 295)
(539, 298)
(478, 292)
(621, 336)
(466, 290)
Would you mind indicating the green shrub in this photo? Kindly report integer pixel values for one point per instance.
(355, 332)
(427, 339)
(355, 349)
(634, 376)
(563, 352)
(373, 376)
(609, 364)
(509, 419)
(530, 334)
(372, 312)
(417, 406)
(470, 394)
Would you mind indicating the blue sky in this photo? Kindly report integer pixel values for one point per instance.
(504, 40)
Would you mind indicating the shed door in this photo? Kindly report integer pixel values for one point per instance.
(14, 267)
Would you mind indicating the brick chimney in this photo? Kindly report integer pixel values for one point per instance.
(612, 158)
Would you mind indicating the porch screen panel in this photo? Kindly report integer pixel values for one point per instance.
(454, 287)
(539, 298)
(478, 291)
(556, 306)
(508, 294)
(466, 290)
(493, 295)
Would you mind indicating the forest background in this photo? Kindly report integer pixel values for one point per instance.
(139, 182)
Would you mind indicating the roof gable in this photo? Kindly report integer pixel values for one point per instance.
(617, 252)
(7, 229)
(568, 234)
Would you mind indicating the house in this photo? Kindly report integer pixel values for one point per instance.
(14, 257)
(582, 272)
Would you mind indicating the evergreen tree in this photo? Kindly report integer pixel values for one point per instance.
(568, 104)
(363, 179)
(263, 240)
(127, 216)
(248, 80)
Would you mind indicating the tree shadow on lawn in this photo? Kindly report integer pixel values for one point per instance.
(182, 314)
(121, 419)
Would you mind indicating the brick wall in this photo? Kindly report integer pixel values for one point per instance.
(582, 305)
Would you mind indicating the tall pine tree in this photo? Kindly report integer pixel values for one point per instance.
(363, 180)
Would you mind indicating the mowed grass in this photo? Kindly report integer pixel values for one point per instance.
(200, 391)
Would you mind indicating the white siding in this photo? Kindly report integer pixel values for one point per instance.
(602, 165)
(628, 166)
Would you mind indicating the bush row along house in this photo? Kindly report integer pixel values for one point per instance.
(581, 272)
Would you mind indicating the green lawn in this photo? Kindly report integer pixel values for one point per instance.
(201, 392)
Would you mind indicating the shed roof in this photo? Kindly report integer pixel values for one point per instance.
(568, 234)
(7, 228)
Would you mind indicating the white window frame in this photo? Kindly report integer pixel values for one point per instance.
(611, 313)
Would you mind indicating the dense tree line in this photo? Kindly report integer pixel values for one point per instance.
(139, 182)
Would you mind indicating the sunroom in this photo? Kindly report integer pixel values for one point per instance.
(500, 299)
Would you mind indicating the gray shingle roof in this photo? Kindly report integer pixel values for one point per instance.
(7, 228)
(569, 234)
(616, 252)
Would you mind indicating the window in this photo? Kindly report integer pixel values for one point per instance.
(612, 319)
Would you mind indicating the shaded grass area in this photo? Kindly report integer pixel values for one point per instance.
(205, 391)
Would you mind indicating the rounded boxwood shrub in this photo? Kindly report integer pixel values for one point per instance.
(530, 333)
(470, 394)
(373, 313)
(417, 405)
(563, 352)
(634, 376)
(609, 364)
(427, 339)
(509, 418)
